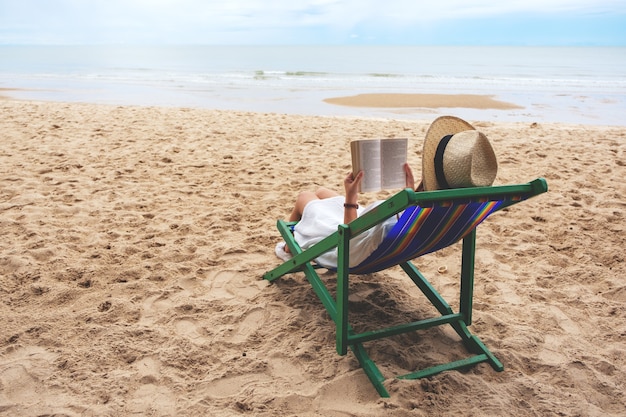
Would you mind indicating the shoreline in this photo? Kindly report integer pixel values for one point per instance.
(425, 117)
(401, 106)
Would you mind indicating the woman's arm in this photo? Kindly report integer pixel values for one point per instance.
(351, 184)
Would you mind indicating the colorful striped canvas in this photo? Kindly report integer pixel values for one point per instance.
(421, 230)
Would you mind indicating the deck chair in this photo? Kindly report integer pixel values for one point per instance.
(429, 221)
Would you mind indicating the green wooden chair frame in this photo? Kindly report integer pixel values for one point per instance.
(338, 308)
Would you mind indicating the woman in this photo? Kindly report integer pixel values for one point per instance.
(319, 213)
(455, 155)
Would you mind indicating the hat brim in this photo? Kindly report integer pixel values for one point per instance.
(440, 127)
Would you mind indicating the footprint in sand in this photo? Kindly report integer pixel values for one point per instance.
(153, 306)
(21, 376)
(156, 305)
(284, 368)
(281, 373)
(148, 368)
(564, 322)
(228, 284)
(251, 321)
(191, 285)
(190, 329)
(19, 385)
(152, 400)
(229, 386)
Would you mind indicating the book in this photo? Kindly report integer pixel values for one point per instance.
(382, 161)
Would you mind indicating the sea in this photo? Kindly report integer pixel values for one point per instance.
(581, 85)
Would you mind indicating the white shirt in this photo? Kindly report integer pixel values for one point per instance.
(321, 218)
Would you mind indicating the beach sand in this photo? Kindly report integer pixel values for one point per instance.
(474, 101)
(134, 240)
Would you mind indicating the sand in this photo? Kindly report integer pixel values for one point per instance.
(430, 101)
(134, 240)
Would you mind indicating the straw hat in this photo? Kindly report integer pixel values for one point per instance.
(456, 155)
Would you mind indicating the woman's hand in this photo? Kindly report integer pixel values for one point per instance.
(351, 184)
(410, 179)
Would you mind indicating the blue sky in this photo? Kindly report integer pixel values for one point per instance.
(412, 22)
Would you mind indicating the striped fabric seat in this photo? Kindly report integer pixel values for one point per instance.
(421, 230)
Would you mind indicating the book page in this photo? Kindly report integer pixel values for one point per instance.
(393, 158)
(366, 156)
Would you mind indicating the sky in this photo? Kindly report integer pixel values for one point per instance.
(319, 22)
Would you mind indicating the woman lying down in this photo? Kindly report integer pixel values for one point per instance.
(455, 155)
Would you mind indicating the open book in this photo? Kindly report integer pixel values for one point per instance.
(382, 161)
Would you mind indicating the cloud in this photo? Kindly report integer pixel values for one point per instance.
(256, 21)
